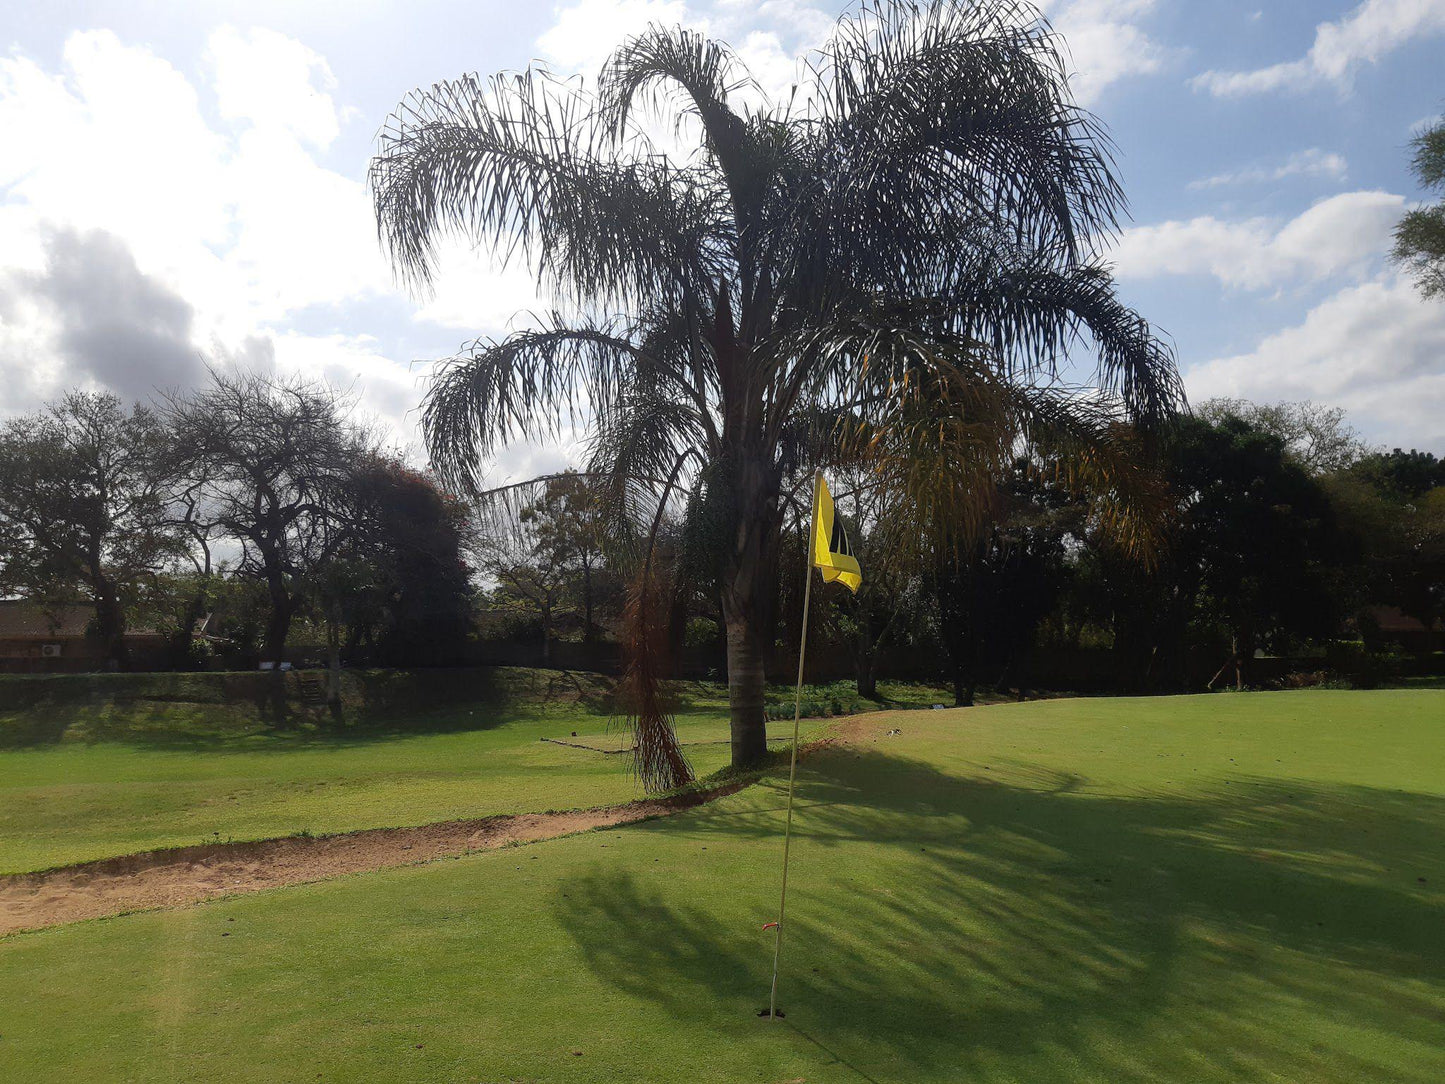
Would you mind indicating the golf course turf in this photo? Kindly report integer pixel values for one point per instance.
(1240, 887)
(158, 761)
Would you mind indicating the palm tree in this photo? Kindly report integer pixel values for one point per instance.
(888, 270)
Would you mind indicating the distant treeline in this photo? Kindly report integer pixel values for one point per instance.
(259, 502)
(254, 500)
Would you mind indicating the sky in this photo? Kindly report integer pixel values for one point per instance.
(183, 185)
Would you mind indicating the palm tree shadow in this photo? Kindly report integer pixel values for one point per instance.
(951, 922)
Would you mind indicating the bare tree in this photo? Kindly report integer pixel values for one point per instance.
(271, 460)
(1316, 437)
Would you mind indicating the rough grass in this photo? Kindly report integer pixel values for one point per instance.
(98, 766)
(1228, 888)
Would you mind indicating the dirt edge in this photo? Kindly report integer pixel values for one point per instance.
(183, 875)
(174, 877)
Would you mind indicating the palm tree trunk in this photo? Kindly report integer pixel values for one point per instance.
(749, 583)
(747, 685)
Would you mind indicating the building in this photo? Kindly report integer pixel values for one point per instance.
(1391, 625)
(55, 639)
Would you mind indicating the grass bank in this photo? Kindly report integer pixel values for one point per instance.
(93, 766)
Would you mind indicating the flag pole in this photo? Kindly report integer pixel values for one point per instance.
(793, 764)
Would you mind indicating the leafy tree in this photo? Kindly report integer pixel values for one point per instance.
(272, 463)
(549, 555)
(878, 611)
(1143, 615)
(1420, 236)
(1254, 555)
(174, 603)
(1257, 542)
(414, 594)
(889, 266)
(994, 595)
(87, 506)
(1402, 475)
(568, 520)
(1394, 502)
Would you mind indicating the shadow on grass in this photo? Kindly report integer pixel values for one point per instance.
(223, 712)
(961, 927)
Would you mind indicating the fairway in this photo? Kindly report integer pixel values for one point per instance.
(87, 775)
(1235, 887)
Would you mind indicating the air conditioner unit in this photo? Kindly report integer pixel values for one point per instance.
(50, 651)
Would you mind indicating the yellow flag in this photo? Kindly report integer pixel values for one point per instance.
(832, 552)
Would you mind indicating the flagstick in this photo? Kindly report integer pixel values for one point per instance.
(793, 765)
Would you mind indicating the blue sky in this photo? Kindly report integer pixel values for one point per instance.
(183, 184)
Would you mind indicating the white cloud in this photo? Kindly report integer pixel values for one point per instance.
(474, 295)
(240, 223)
(123, 111)
(247, 224)
(774, 67)
(796, 20)
(1106, 43)
(1340, 48)
(1343, 233)
(1376, 348)
(585, 32)
(303, 235)
(271, 80)
(1309, 163)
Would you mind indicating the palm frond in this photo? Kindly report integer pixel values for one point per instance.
(528, 385)
(1086, 444)
(936, 123)
(674, 63)
(657, 758)
(510, 164)
(1031, 311)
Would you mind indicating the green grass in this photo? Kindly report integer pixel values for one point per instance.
(92, 767)
(1230, 888)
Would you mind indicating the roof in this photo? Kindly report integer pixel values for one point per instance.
(1393, 619)
(22, 620)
